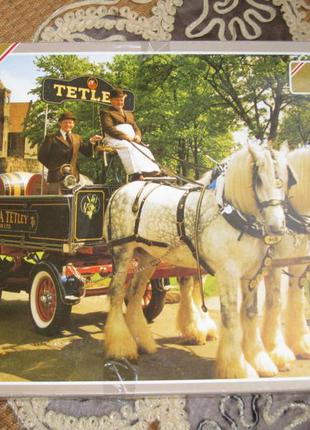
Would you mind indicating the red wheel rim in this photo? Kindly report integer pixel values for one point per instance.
(147, 296)
(46, 299)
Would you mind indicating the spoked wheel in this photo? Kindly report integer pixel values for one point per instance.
(154, 299)
(49, 314)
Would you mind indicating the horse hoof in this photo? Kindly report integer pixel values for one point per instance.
(233, 371)
(194, 340)
(302, 347)
(150, 349)
(120, 352)
(210, 328)
(212, 335)
(264, 365)
(304, 355)
(283, 357)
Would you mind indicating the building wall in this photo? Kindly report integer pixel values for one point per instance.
(4, 120)
(16, 164)
(26, 159)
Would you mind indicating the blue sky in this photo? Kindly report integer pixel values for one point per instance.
(18, 73)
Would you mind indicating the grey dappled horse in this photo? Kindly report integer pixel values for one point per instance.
(140, 222)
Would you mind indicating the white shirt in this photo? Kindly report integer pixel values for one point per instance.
(64, 133)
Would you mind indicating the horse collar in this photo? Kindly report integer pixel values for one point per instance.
(296, 222)
(241, 222)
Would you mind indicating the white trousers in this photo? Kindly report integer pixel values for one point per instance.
(135, 157)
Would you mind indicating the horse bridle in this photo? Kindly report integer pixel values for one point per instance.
(279, 184)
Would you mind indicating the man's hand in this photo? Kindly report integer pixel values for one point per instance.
(130, 139)
(96, 138)
(137, 138)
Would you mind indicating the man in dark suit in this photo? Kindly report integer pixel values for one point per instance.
(59, 152)
(123, 134)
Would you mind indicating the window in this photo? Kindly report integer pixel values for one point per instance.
(16, 146)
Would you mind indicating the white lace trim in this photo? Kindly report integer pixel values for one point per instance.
(70, 22)
(247, 22)
(294, 15)
(170, 412)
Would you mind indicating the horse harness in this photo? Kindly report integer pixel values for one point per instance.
(182, 231)
(136, 208)
(248, 224)
(300, 224)
(243, 223)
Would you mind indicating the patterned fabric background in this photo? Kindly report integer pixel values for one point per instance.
(275, 412)
(85, 20)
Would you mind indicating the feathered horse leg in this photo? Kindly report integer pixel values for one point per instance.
(208, 324)
(231, 362)
(253, 346)
(272, 334)
(194, 325)
(119, 342)
(135, 319)
(296, 329)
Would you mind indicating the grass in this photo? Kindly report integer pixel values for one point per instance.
(210, 286)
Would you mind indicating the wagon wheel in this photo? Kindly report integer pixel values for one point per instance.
(49, 314)
(154, 299)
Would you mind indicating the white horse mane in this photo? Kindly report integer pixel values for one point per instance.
(239, 187)
(299, 197)
(239, 190)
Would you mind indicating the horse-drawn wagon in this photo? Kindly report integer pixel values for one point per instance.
(56, 248)
(52, 247)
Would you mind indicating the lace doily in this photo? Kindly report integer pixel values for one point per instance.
(71, 22)
(251, 412)
(228, 19)
(248, 19)
(213, 412)
(295, 13)
(35, 414)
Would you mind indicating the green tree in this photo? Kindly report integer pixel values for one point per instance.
(254, 88)
(295, 126)
(65, 67)
(175, 109)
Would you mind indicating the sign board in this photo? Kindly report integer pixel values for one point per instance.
(84, 88)
(300, 77)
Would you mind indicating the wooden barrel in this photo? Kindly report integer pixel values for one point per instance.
(21, 184)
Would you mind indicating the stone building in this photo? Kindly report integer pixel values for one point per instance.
(16, 154)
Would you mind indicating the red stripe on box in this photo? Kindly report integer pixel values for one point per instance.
(8, 50)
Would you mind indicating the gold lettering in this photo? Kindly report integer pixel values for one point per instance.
(60, 89)
(105, 97)
(9, 217)
(93, 96)
(71, 92)
(13, 217)
(84, 91)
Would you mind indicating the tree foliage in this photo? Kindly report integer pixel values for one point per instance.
(187, 106)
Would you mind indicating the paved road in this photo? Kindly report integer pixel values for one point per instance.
(78, 353)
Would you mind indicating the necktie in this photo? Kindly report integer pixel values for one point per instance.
(68, 138)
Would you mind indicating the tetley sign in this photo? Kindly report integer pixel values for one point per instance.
(85, 88)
